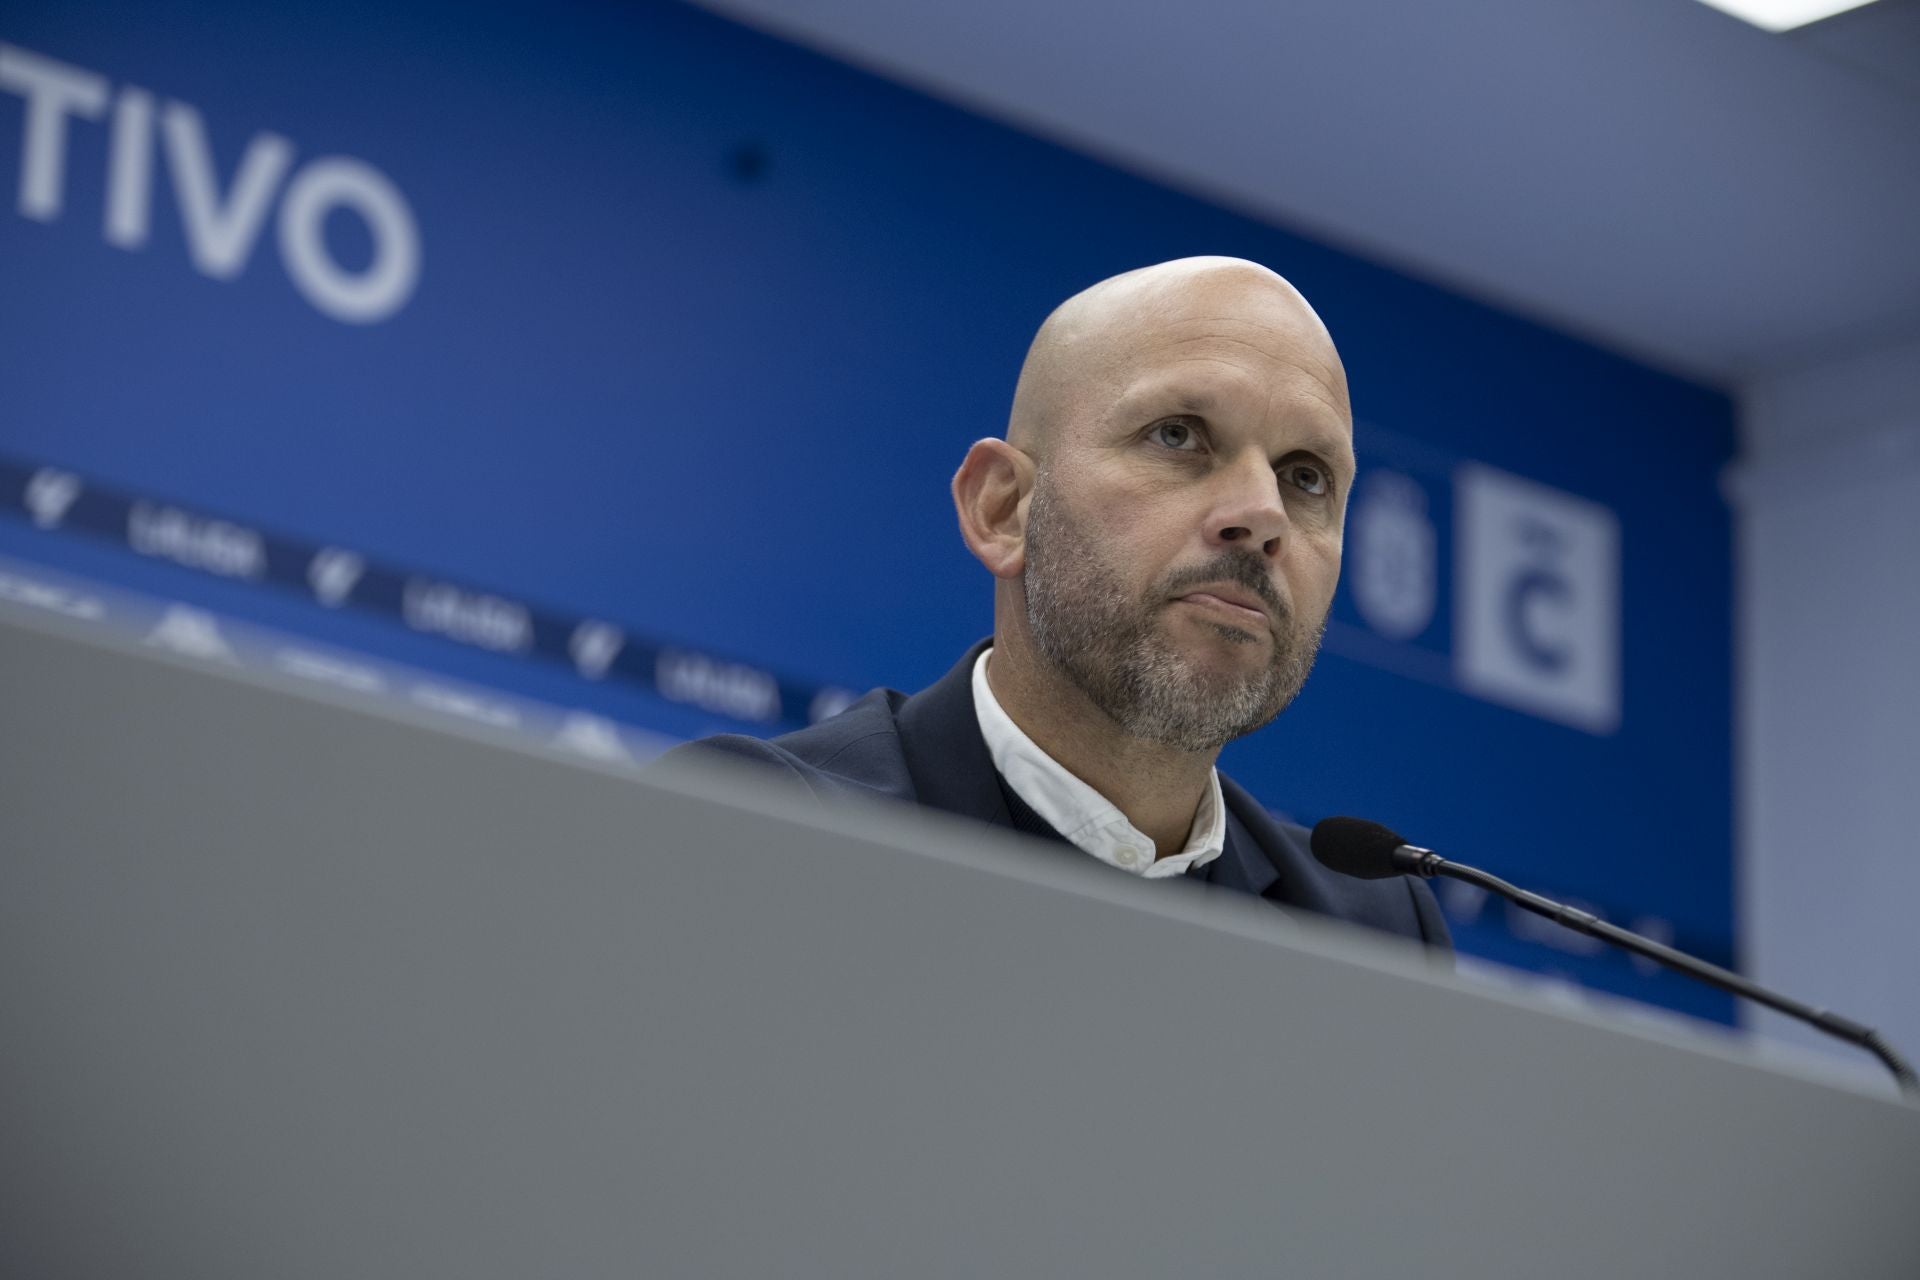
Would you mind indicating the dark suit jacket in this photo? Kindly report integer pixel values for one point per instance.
(927, 749)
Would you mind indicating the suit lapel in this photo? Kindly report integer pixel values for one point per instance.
(946, 756)
(1241, 864)
(1278, 867)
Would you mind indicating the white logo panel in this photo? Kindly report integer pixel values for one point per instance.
(1537, 609)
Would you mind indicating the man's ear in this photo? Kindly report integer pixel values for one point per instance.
(990, 493)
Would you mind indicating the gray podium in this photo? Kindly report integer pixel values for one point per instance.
(293, 988)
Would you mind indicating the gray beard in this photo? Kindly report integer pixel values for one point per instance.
(1115, 650)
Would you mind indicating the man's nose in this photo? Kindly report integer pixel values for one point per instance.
(1249, 511)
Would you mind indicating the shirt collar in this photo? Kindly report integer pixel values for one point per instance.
(1087, 819)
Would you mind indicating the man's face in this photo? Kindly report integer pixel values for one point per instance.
(1183, 540)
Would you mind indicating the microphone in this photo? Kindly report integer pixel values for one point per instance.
(1369, 851)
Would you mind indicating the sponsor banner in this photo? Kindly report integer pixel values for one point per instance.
(31, 593)
(461, 613)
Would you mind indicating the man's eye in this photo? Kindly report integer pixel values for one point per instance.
(1174, 435)
(1308, 476)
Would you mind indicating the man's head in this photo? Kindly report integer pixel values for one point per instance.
(1165, 514)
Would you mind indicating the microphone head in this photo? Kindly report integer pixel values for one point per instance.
(1356, 847)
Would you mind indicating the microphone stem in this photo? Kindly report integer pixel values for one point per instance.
(1431, 864)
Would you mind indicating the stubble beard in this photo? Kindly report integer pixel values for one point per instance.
(1115, 648)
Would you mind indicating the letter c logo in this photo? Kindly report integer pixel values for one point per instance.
(1521, 608)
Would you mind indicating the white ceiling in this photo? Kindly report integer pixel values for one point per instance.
(1650, 174)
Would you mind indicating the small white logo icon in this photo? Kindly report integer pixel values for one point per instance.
(1464, 902)
(1660, 931)
(43, 595)
(591, 736)
(830, 702)
(1395, 561)
(189, 631)
(319, 666)
(333, 574)
(730, 688)
(49, 496)
(594, 646)
(467, 706)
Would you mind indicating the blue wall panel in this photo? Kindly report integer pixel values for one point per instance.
(702, 325)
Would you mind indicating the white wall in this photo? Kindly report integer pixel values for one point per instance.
(1827, 498)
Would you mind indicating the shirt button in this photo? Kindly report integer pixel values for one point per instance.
(1129, 857)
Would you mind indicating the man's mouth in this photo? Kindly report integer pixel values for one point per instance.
(1231, 604)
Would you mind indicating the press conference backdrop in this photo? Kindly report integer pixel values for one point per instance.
(612, 359)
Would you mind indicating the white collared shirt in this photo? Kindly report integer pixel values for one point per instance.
(1078, 812)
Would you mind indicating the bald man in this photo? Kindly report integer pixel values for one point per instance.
(1163, 524)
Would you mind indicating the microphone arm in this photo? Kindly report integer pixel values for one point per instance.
(1413, 860)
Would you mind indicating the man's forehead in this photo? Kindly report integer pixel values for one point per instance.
(1205, 386)
(1211, 388)
(1205, 329)
(1247, 331)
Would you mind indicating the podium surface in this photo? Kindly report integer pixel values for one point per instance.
(293, 987)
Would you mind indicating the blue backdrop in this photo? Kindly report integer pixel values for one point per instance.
(625, 315)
